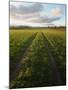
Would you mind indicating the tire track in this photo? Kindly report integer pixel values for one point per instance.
(56, 73)
(17, 66)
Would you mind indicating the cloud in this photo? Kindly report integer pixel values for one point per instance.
(12, 10)
(25, 11)
(29, 9)
(56, 12)
(45, 19)
(34, 13)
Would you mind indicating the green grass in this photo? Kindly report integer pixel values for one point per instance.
(34, 54)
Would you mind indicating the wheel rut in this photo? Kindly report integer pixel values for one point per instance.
(55, 70)
(17, 67)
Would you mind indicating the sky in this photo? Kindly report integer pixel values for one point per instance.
(37, 14)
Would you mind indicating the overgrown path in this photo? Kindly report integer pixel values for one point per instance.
(56, 73)
(16, 68)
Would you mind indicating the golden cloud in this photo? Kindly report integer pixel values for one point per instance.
(56, 12)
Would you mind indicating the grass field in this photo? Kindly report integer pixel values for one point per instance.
(37, 57)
